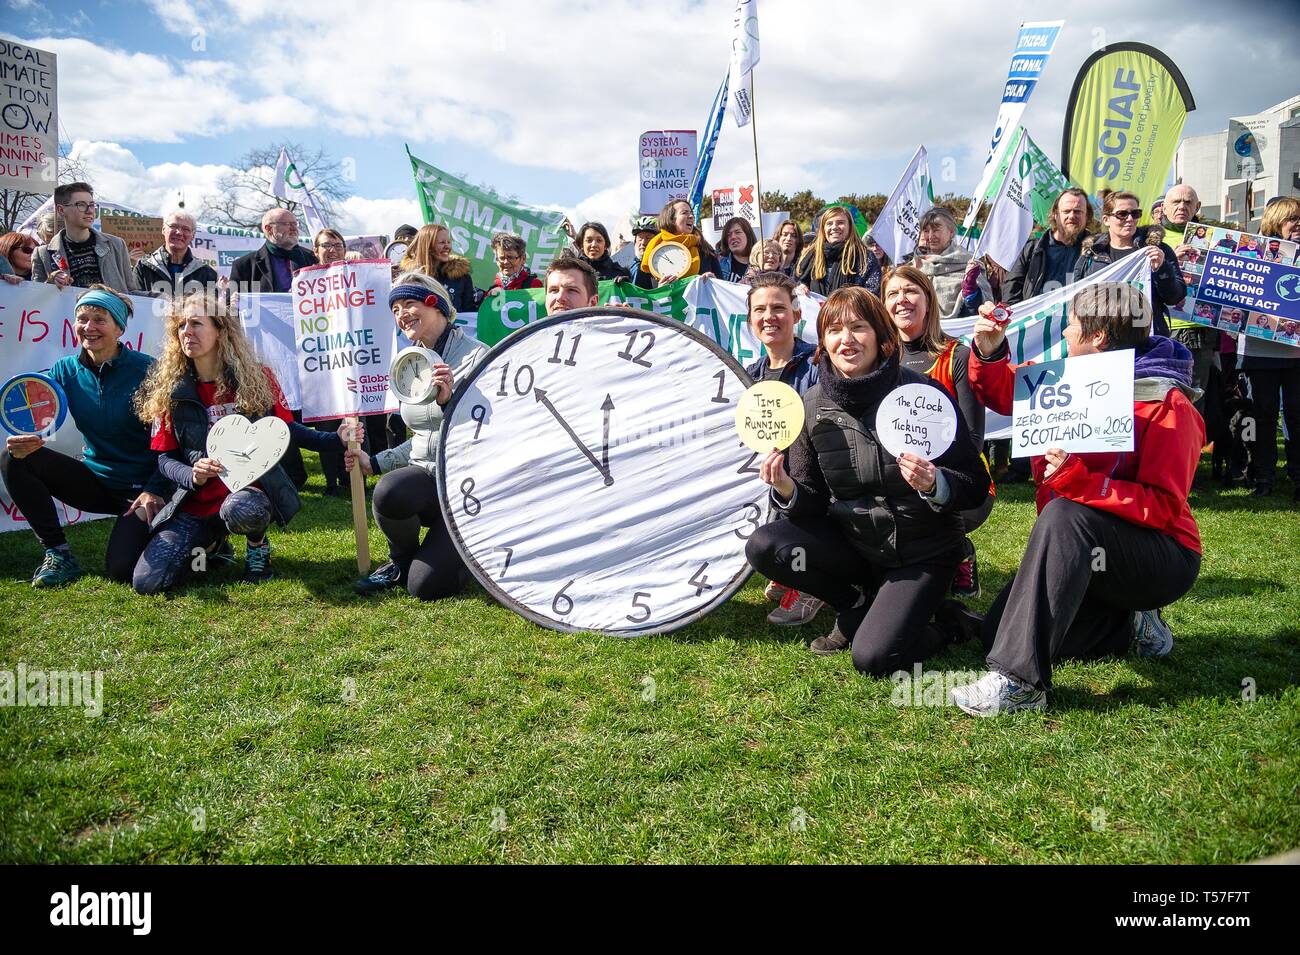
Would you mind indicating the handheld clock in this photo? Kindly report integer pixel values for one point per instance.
(591, 476)
(32, 404)
(411, 376)
(247, 449)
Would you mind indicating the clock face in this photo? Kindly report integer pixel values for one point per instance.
(670, 258)
(591, 475)
(247, 449)
(412, 374)
(32, 404)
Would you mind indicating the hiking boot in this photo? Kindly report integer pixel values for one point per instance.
(384, 577)
(966, 580)
(841, 636)
(257, 563)
(995, 693)
(58, 568)
(958, 623)
(1151, 635)
(774, 591)
(795, 610)
(831, 644)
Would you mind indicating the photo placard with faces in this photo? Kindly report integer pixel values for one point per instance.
(1252, 286)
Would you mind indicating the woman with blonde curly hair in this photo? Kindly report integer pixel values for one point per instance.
(208, 370)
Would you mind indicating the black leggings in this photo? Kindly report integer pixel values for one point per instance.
(1083, 575)
(405, 501)
(813, 556)
(36, 480)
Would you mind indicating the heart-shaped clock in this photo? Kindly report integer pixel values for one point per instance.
(247, 449)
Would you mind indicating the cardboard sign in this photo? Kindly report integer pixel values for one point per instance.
(916, 419)
(142, 234)
(344, 333)
(769, 415)
(1075, 404)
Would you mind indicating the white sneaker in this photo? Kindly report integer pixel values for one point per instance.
(995, 693)
(795, 609)
(1151, 635)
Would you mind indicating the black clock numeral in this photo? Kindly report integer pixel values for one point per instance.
(722, 380)
(479, 414)
(748, 467)
(510, 552)
(626, 353)
(519, 374)
(640, 605)
(750, 519)
(505, 370)
(562, 596)
(573, 352)
(470, 503)
(701, 584)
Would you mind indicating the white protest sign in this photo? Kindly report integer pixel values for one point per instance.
(29, 118)
(344, 335)
(267, 318)
(667, 167)
(916, 419)
(897, 228)
(1076, 404)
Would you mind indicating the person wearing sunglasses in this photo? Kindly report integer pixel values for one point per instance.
(16, 257)
(79, 254)
(1120, 212)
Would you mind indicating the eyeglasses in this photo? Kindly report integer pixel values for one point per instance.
(83, 206)
(331, 246)
(1128, 214)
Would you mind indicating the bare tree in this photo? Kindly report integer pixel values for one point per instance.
(16, 204)
(246, 193)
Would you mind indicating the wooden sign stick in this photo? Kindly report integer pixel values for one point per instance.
(360, 523)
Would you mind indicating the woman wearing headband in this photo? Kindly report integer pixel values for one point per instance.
(406, 498)
(117, 473)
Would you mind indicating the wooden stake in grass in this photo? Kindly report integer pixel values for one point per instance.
(360, 527)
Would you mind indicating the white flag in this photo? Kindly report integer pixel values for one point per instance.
(1011, 216)
(288, 184)
(896, 229)
(744, 56)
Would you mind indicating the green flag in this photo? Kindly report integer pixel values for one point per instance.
(1048, 181)
(474, 215)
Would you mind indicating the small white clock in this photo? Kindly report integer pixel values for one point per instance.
(247, 449)
(411, 375)
(591, 475)
(670, 258)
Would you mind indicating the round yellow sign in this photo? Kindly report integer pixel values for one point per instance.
(769, 415)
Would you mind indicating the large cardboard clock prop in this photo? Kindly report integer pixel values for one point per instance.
(591, 475)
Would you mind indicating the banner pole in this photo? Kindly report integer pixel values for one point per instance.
(753, 127)
(360, 529)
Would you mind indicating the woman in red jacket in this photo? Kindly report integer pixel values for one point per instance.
(1114, 538)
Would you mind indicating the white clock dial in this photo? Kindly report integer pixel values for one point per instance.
(671, 259)
(412, 374)
(591, 475)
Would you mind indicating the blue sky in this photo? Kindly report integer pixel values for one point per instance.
(545, 99)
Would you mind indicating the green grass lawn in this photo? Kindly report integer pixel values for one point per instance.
(297, 723)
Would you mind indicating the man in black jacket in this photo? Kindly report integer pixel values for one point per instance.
(271, 268)
(1048, 261)
(171, 269)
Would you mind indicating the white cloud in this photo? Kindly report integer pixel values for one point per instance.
(177, 16)
(118, 176)
(360, 216)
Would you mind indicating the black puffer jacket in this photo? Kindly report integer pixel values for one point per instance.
(840, 470)
(867, 271)
(606, 268)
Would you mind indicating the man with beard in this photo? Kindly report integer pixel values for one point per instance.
(1048, 261)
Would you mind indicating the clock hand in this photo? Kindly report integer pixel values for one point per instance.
(540, 395)
(607, 407)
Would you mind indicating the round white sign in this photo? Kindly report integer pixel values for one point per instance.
(916, 419)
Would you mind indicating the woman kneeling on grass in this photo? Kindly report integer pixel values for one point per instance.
(874, 535)
(406, 498)
(1115, 537)
(207, 371)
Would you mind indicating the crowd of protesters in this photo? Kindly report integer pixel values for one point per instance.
(887, 537)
